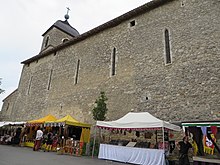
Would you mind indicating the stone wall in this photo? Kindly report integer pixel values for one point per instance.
(186, 89)
(8, 106)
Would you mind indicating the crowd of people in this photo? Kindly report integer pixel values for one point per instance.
(6, 139)
(10, 137)
(46, 139)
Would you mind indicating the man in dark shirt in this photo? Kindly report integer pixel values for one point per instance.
(184, 147)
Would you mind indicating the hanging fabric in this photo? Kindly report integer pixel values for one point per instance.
(204, 130)
(208, 145)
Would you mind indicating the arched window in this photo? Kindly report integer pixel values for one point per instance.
(47, 41)
(167, 47)
(77, 71)
(113, 62)
(65, 40)
(49, 81)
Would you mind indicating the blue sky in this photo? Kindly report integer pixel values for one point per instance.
(24, 21)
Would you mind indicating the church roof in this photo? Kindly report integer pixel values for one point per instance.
(112, 23)
(65, 27)
(10, 95)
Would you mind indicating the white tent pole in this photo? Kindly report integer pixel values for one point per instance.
(163, 138)
(93, 147)
(184, 129)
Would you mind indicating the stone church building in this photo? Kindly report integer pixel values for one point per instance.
(162, 57)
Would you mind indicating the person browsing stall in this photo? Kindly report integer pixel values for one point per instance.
(183, 147)
(49, 142)
(39, 136)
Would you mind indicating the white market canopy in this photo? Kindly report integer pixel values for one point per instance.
(4, 123)
(137, 121)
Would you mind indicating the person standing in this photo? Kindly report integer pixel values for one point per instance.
(39, 136)
(183, 147)
(49, 142)
(55, 142)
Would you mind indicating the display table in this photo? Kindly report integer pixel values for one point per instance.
(132, 155)
(205, 161)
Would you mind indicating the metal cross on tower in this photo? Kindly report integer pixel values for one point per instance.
(68, 9)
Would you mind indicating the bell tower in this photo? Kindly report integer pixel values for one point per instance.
(58, 33)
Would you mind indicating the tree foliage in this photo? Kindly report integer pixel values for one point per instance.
(1, 90)
(100, 110)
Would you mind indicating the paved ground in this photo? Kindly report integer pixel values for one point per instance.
(10, 155)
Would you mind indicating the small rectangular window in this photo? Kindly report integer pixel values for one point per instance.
(77, 72)
(183, 2)
(132, 23)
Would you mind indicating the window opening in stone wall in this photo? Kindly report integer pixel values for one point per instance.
(65, 40)
(132, 23)
(46, 42)
(49, 82)
(167, 47)
(113, 62)
(29, 85)
(7, 106)
(77, 72)
(183, 3)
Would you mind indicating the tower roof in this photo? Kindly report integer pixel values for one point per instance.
(65, 27)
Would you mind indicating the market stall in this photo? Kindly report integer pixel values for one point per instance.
(206, 141)
(31, 128)
(73, 134)
(11, 123)
(138, 122)
(39, 122)
(72, 128)
(10, 132)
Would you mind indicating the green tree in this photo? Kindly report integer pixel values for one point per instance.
(1, 90)
(100, 110)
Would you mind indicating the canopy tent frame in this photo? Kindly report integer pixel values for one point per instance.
(139, 121)
(40, 121)
(200, 124)
(67, 120)
(204, 123)
(70, 121)
(12, 123)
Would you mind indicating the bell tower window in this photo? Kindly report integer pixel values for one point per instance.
(65, 40)
(47, 41)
